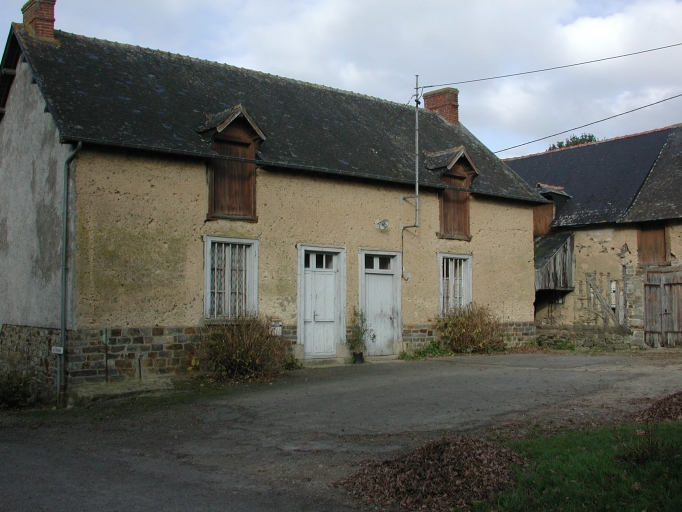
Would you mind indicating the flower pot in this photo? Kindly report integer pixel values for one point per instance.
(357, 358)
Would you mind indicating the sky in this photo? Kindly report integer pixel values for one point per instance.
(376, 47)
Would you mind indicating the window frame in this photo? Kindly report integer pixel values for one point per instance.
(238, 136)
(467, 279)
(251, 273)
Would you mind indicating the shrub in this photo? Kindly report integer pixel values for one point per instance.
(360, 335)
(244, 349)
(16, 389)
(434, 349)
(471, 329)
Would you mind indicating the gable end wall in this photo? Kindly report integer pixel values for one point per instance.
(31, 163)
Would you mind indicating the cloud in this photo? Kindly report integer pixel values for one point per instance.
(376, 47)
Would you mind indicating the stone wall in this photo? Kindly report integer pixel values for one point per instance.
(29, 349)
(589, 338)
(518, 333)
(119, 354)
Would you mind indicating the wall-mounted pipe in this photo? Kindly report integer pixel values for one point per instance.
(61, 358)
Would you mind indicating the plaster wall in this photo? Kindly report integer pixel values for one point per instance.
(31, 163)
(140, 250)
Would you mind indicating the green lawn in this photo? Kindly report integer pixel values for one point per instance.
(584, 470)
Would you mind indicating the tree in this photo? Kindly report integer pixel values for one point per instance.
(574, 141)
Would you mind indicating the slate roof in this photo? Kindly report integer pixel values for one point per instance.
(629, 179)
(115, 94)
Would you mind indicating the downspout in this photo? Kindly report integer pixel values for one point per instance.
(61, 358)
(416, 174)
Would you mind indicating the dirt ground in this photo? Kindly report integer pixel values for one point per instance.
(281, 445)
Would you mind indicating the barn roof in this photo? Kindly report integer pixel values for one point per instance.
(628, 179)
(122, 95)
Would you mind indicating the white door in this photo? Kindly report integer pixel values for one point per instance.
(319, 304)
(380, 291)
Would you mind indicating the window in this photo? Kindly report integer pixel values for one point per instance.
(652, 245)
(231, 277)
(454, 204)
(232, 184)
(455, 281)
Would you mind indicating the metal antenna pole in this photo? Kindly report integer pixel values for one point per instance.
(416, 151)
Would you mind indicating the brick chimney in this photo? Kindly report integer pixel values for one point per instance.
(445, 102)
(39, 17)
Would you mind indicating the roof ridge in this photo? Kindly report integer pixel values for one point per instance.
(232, 66)
(620, 137)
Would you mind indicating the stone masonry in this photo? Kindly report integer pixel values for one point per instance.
(29, 350)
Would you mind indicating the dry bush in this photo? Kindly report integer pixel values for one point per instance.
(244, 349)
(471, 329)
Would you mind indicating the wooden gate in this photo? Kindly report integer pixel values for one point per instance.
(663, 307)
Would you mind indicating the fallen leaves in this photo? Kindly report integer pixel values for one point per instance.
(438, 476)
(668, 408)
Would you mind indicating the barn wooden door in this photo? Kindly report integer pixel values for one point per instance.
(663, 308)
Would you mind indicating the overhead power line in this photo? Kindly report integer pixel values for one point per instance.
(589, 124)
(552, 68)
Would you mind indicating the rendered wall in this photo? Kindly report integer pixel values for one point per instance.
(140, 250)
(31, 163)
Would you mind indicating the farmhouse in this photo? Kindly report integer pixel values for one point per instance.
(146, 195)
(608, 247)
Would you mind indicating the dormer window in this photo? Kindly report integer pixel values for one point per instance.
(232, 183)
(454, 204)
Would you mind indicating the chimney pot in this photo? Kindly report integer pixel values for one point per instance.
(39, 17)
(445, 102)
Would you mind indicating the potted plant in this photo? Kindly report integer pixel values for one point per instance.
(359, 336)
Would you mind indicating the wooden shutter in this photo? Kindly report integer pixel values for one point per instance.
(454, 209)
(233, 183)
(652, 244)
(543, 215)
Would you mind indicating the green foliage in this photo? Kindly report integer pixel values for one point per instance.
(16, 389)
(291, 363)
(471, 329)
(434, 349)
(643, 445)
(587, 470)
(564, 345)
(359, 335)
(244, 349)
(574, 140)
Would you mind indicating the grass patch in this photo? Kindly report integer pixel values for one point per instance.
(434, 349)
(591, 470)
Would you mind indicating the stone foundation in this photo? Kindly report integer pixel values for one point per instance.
(97, 356)
(518, 333)
(590, 338)
(29, 349)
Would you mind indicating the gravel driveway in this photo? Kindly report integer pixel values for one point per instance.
(280, 446)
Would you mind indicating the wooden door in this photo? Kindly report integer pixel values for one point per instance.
(381, 302)
(663, 308)
(319, 307)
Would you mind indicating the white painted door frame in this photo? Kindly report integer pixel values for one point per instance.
(339, 285)
(397, 285)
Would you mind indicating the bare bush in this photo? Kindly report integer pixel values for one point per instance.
(244, 349)
(471, 329)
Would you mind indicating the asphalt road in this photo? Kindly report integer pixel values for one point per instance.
(281, 446)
